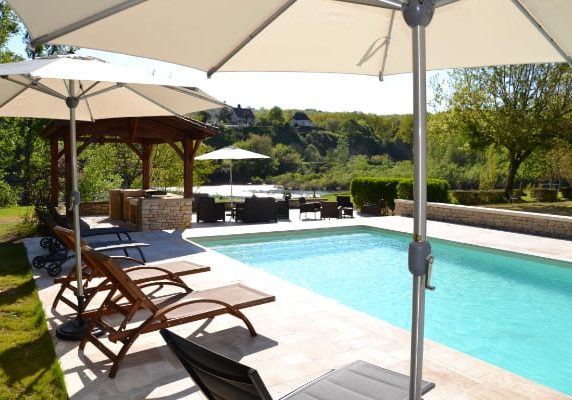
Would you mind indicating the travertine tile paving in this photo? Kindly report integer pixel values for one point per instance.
(301, 335)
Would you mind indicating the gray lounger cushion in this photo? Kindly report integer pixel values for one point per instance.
(357, 381)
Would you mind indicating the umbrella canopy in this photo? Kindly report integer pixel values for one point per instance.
(70, 87)
(38, 89)
(230, 153)
(351, 36)
(369, 37)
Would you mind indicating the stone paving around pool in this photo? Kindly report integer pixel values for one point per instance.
(300, 336)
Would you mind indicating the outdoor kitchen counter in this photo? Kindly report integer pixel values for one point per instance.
(160, 212)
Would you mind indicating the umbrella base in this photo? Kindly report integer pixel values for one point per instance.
(76, 329)
(72, 330)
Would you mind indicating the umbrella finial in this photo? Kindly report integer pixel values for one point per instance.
(418, 12)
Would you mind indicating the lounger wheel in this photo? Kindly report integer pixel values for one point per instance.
(46, 242)
(38, 262)
(56, 246)
(54, 269)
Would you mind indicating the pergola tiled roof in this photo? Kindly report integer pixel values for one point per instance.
(146, 131)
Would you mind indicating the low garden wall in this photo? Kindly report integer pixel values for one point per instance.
(513, 221)
(94, 208)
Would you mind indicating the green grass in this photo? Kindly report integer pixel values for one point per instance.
(29, 368)
(16, 222)
(558, 208)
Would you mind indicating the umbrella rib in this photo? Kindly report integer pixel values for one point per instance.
(387, 42)
(441, 3)
(247, 40)
(192, 92)
(542, 31)
(84, 22)
(107, 89)
(82, 94)
(38, 86)
(391, 4)
(15, 95)
(151, 100)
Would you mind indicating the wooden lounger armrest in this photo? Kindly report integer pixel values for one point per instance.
(148, 267)
(127, 258)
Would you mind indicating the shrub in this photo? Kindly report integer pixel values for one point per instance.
(566, 192)
(8, 196)
(475, 197)
(544, 195)
(372, 190)
(437, 190)
(405, 189)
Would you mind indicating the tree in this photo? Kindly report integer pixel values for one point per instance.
(520, 109)
(275, 115)
(8, 28)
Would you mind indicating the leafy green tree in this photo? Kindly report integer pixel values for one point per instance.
(97, 175)
(276, 115)
(520, 109)
(286, 159)
(8, 28)
(360, 137)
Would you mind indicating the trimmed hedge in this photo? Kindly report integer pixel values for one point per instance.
(475, 197)
(371, 190)
(544, 195)
(437, 190)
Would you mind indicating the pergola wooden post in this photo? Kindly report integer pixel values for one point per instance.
(147, 164)
(189, 152)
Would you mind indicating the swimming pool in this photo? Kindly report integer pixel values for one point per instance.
(510, 310)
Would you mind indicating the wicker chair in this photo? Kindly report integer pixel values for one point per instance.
(208, 210)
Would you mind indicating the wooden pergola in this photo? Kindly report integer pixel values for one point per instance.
(146, 131)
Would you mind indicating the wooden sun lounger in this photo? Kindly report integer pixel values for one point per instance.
(127, 298)
(161, 274)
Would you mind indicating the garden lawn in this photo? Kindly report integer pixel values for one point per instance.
(15, 222)
(559, 208)
(28, 365)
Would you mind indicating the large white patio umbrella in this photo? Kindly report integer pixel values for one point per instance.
(84, 88)
(230, 153)
(367, 37)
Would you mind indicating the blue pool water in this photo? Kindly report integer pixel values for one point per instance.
(510, 310)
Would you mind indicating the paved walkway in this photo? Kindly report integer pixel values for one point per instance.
(301, 335)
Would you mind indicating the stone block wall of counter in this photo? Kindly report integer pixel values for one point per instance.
(94, 208)
(158, 214)
(513, 221)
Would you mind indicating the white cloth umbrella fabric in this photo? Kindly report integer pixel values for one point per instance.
(71, 87)
(368, 37)
(230, 153)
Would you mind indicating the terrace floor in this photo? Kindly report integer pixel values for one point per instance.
(300, 336)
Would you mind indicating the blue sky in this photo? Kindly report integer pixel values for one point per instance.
(324, 92)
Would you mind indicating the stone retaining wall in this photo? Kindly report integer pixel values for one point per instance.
(159, 213)
(507, 220)
(94, 208)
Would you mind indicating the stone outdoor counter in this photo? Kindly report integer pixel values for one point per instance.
(513, 221)
(160, 212)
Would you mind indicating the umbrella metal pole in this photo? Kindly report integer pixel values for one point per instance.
(419, 249)
(74, 330)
